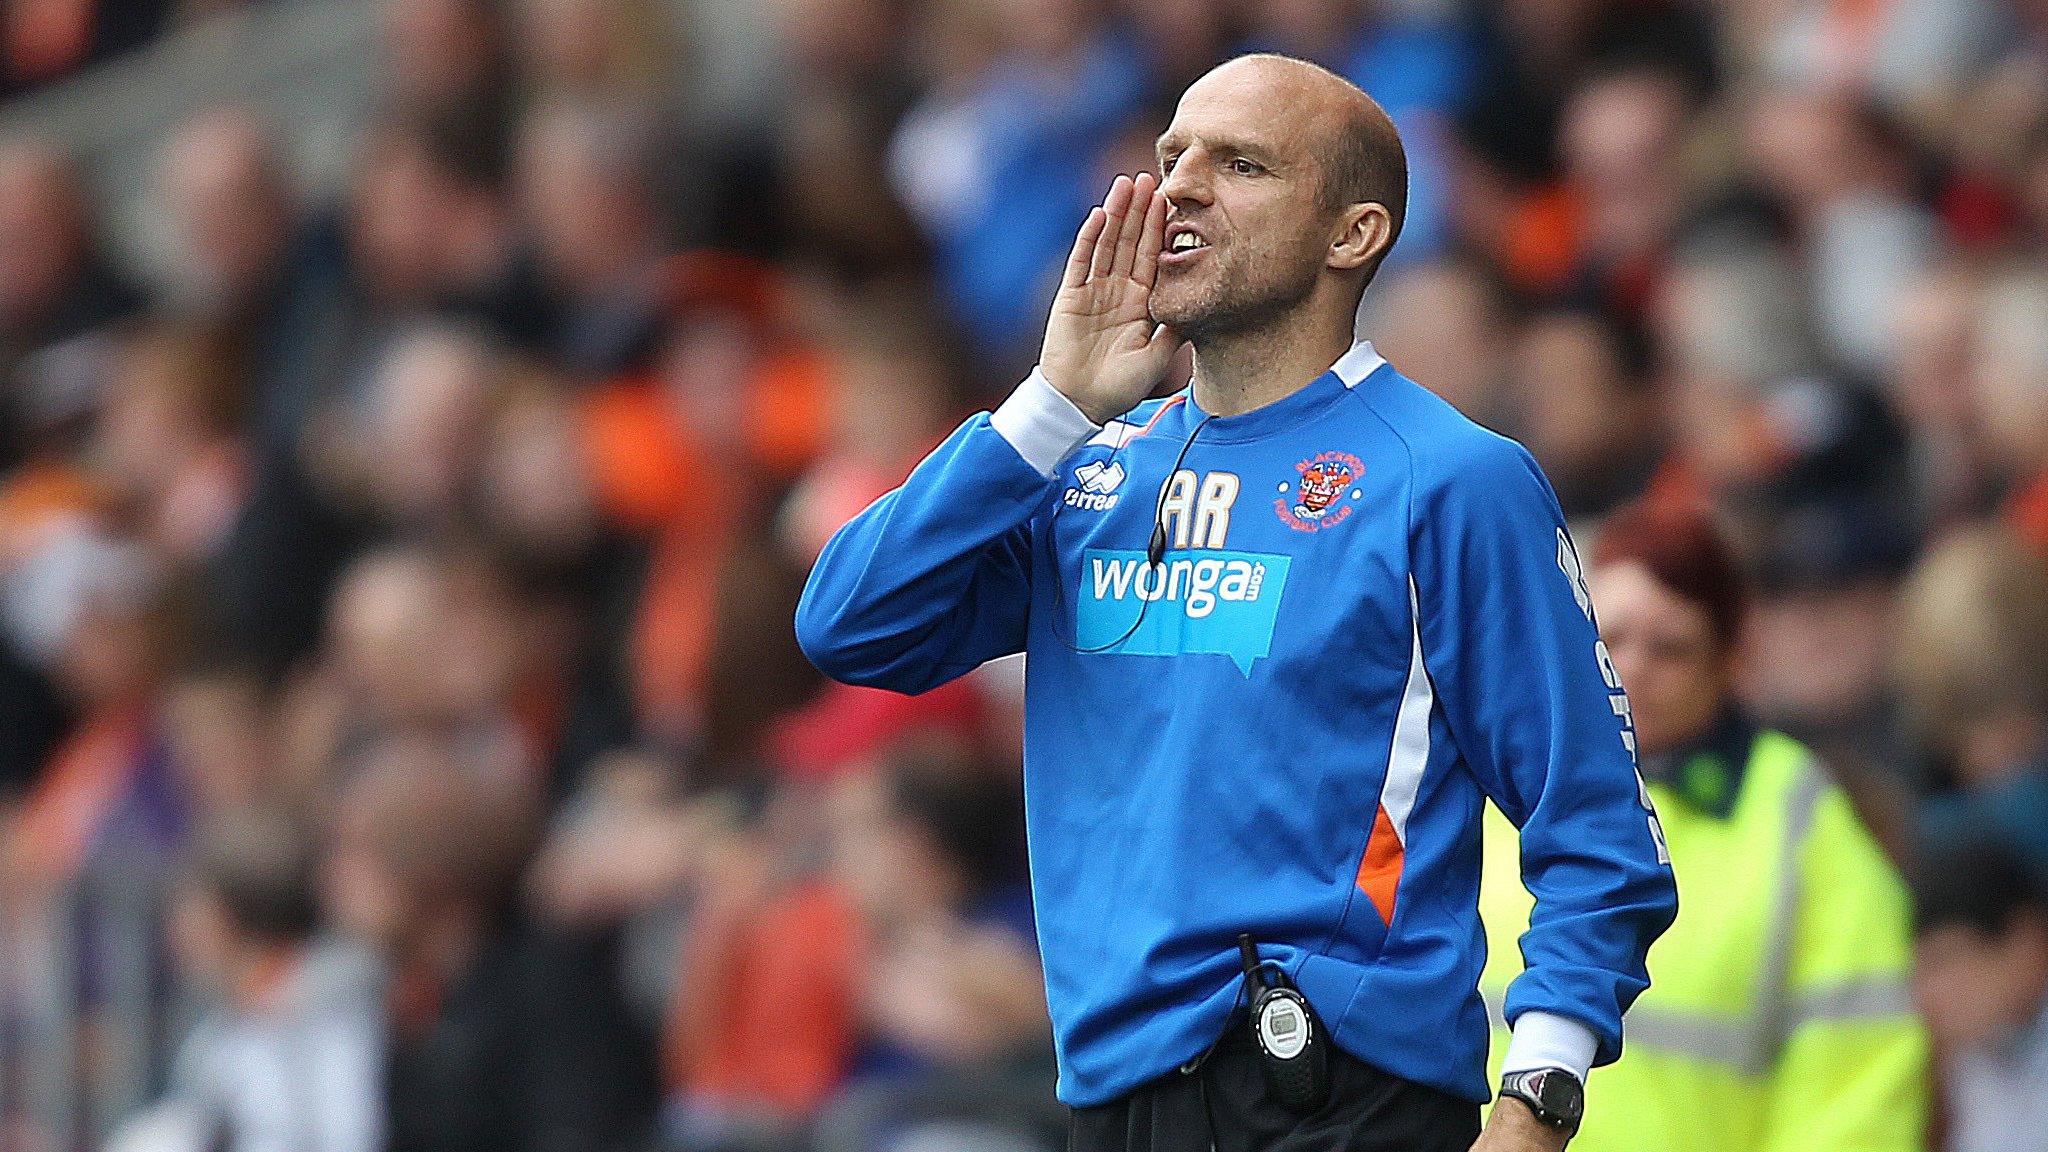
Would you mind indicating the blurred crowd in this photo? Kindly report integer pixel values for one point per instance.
(399, 582)
(49, 41)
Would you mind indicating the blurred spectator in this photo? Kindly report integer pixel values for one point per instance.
(995, 161)
(935, 158)
(2010, 366)
(167, 451)
(887, 408)
(502, 1035)
(230, 205)
(931, 848)
(586, 183)
(533, 489)
(1448, 322)
(1844, 175)
(44, 43)
(56, 291)
(909, 969)
(451, 58)
(83, 853)
(1597, 430)
(761, 1029)
(1808, 469)
(426, 403)
(951, 997)
(288, 1054)
(837, 202)
(108, 795)
(1982, 984)
(1954, 472)
(1620, 148)
(407, 215)
(733, 408)
(421, 643)
(1973, 663)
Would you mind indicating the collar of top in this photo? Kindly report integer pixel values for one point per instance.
(1351, 370)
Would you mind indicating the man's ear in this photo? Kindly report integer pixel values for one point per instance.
(1364, 233)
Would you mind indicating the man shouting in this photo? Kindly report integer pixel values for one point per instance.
(1288, 630)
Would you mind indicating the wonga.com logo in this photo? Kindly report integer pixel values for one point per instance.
(1224, 603)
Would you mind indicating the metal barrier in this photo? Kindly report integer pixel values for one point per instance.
(87, 1005)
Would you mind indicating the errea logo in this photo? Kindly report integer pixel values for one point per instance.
(1098, 482)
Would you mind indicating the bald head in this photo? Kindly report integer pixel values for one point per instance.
(1359, 151)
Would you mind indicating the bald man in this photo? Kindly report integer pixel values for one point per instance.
(1288, 630)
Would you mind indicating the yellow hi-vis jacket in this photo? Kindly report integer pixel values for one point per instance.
(1778, 1016)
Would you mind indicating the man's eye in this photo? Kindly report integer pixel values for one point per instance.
(1167, 164)
(1243, 167)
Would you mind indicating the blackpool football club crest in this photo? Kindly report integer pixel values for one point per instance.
(1323, 497)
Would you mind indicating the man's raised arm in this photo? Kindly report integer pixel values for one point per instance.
(933, 579)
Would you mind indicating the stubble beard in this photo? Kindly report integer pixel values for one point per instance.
(1232, 300)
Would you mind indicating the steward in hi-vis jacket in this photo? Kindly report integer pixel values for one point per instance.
(1781, 1019)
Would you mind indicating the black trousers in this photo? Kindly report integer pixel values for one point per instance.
(1223, 1104)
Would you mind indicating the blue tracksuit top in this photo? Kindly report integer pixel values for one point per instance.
(1368, 619)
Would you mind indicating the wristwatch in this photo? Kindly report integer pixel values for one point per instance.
(1555, 1095)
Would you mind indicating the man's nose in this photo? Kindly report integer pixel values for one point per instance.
(1185, 184)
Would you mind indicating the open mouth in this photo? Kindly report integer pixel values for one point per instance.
(1183, 241)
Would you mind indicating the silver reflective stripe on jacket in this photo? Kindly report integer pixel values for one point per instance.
(1751, 1042)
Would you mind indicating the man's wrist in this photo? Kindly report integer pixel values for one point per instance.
(1079, 396)
(1042, 424)
(1553, 1097)
(1514, 1118)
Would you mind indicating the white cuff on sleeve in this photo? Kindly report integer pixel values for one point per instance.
(1042, 425)
(1547, 1040)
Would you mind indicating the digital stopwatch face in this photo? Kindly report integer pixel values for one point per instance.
(1283, 1027)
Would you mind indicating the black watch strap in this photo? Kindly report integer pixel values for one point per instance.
(1555, 1095)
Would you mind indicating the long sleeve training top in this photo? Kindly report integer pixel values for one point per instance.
(1367, 620)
